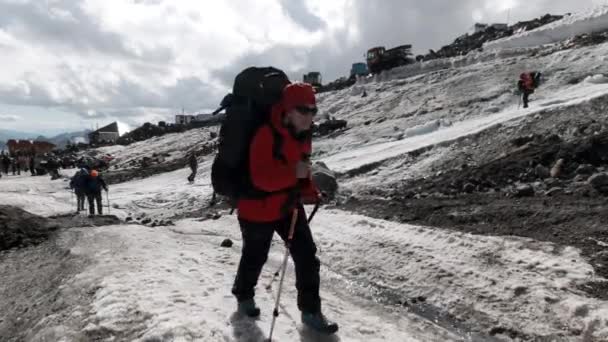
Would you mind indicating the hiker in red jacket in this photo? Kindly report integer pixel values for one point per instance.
(285, 174)
(528, 82)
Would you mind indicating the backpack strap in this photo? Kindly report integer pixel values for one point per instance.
(277, 144)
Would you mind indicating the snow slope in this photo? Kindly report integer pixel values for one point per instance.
(372, 153)
(173, 282)
(463, 100)
(590, 21)
(171, 147)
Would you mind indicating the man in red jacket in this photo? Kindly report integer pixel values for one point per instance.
(279, 166)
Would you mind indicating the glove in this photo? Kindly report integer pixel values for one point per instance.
(311, 199)
(311, 196)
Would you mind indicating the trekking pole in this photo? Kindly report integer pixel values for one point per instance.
(519, 103)
(275, 312)
(277, 272)
(108, 199)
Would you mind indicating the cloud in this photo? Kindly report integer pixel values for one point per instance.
(65, 24)
(143, 60)
(8, 118)
(299, 12)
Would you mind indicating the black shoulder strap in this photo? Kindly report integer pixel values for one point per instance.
(277, 144)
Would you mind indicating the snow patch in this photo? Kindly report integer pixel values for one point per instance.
(597, 79)
(590, 21)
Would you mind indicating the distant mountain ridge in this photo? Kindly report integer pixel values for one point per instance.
(60, 140)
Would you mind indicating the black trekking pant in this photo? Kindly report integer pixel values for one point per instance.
(525, 97)
(80, 197)
(256, 244)
(92, 198)
(192, 175)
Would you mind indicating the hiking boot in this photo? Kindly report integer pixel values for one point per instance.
(248, 308)
(318, 322)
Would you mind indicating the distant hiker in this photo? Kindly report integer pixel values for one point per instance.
(52, 168)
(528, 82)
(78, 184)
(14, 166)
(280, 173)
(6, 163)
(93, 185)
(193, 163)
(32, 165)
(17, 163)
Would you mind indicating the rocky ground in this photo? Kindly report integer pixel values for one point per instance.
(19, 228)
(544, 178)
(34, 263)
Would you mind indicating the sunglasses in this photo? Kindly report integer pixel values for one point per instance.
(307, 110)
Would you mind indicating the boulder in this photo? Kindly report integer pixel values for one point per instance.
(599, 182)
(325, 179)
(468, 188)
(585, 169)
(556, 170)
(542, 172)
(524, 190)
(227, 243)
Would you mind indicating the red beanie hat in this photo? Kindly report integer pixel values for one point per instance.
(298, 94)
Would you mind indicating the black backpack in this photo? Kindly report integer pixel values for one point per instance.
(248, 107)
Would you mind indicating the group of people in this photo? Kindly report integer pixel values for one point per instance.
(88, 183)
(16, 164)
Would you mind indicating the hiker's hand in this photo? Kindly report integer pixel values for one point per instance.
(312, 199)
(303, 169)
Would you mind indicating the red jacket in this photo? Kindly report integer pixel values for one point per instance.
(273, 175)
(526, 81)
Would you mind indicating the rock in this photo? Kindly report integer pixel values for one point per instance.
(520, 290)
(580, 178)
(599, 182)
(146, 220)
(213, 216)
(542, 172)
(524, 190)
(585, 169)
(212, 135)
(325, 179)
(468, 188)
(129, 219)
(554, 191)
(330, 126)
(19, 228)
(556, 170)
(227, 243)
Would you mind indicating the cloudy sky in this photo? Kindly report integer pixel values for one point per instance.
(72, 64)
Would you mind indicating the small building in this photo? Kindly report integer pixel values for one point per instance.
(182, 119)
(358, 69)
(313, 78)
(202, 117)
(105, 135)
(479, 27)
(27, 147)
